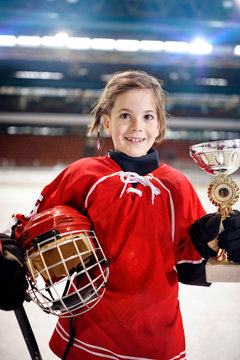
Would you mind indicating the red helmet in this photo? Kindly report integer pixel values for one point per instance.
(61, 246)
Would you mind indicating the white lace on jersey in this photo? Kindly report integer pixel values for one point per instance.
(128, 178)
(132, 177)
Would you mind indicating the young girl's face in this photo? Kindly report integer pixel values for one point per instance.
(133, 122)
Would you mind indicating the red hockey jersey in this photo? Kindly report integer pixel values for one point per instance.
(144, 233)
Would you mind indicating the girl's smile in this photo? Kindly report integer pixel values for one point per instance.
(134, 139)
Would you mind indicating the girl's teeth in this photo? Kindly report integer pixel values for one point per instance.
(135, 140)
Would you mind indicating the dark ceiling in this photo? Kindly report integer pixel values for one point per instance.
(186, 77)
(141, 18)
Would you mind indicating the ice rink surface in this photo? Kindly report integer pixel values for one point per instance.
(211, 316)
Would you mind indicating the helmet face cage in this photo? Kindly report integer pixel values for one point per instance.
(67, 271)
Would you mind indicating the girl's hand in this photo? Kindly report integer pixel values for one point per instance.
(229, 239)
(13, 283)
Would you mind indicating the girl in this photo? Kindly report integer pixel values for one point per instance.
(142, 212)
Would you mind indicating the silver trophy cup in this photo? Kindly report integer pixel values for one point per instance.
(220, 158)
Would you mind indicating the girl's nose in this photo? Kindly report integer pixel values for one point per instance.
(136, 125)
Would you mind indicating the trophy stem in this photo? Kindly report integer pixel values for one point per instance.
(223, 192)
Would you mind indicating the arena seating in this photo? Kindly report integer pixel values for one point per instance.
(39, 150)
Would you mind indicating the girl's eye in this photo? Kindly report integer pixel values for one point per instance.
(125, 116)
(148, 117)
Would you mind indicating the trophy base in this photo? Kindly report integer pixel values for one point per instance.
(222, 272)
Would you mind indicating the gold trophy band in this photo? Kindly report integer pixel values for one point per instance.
(223, 192)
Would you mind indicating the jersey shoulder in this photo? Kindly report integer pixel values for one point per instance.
(101, 165)
(171, 176)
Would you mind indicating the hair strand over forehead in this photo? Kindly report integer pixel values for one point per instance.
(124, 81)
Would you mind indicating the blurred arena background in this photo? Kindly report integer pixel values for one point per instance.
(55, 57)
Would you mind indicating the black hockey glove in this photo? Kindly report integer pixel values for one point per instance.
(204, 230)
(229, 239)
(13, 284)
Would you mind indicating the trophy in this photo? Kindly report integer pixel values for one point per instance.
(220, 158)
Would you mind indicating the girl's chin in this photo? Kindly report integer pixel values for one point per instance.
(133, 149)
(134, 153)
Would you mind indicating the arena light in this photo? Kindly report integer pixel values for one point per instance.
(227, 4)
(41, 75)
(236, 50)
(59, 40)
(31, 41)
(78, 43)
(102, 44)
(49, 41)
(212, 81)
(175, 46)
(199, 46)
(8, 40)
(151, 45)
(62, 40)
(127, 45)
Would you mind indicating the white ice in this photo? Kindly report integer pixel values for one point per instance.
(211, 315)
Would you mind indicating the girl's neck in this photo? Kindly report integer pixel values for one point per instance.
(141, 165)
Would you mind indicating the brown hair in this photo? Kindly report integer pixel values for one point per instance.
(124, 81)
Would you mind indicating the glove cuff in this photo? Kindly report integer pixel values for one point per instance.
(204, 230)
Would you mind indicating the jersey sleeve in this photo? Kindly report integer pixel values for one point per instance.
(68, 188)
(188, 208)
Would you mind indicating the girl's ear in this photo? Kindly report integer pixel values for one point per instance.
(106, 124)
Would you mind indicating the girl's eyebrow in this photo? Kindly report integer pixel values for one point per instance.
(129, 110)
(124, 109)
